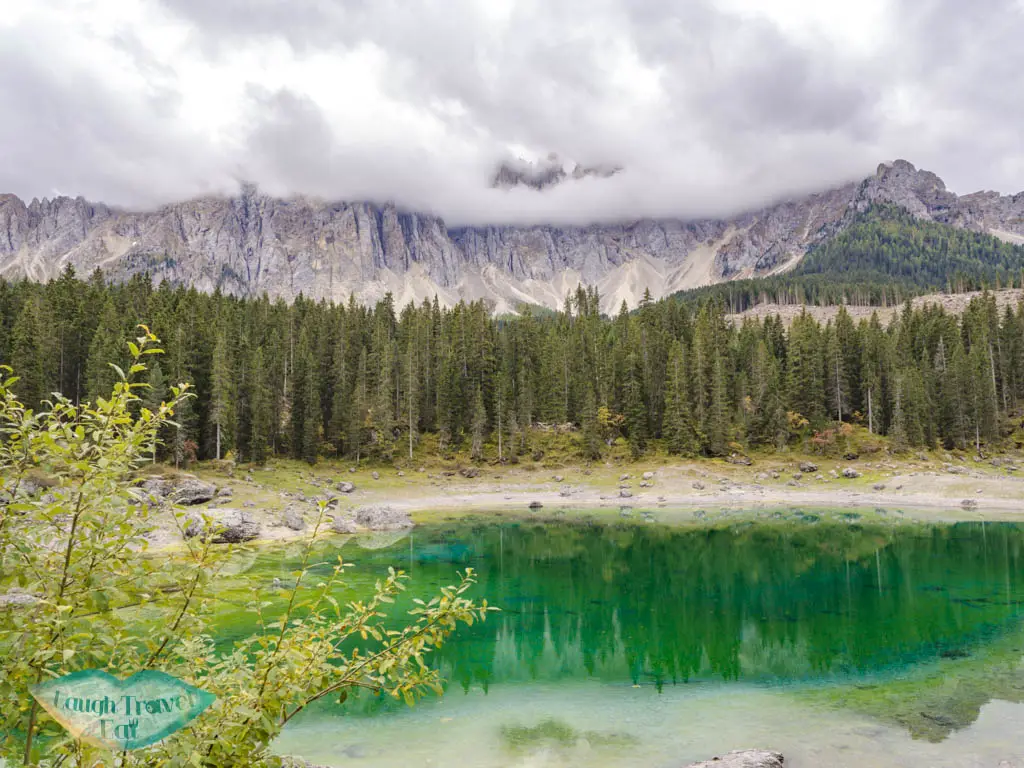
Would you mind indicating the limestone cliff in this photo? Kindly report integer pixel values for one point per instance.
(252, 243)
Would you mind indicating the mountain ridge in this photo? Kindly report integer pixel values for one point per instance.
(251, 244)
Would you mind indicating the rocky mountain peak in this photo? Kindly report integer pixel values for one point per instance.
(253, 243)
(545, 173)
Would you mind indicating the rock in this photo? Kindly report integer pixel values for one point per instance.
(969, 503)
(535, 505)
(345, 486)
(293, 517)
(380, 517)
(557, 478)
(351, 470)
(879, 486)
(746, 758)
(469, 472)
(740, 459)
(225, 492)
(286, 238)
(697, 485)
(775, 475)
(623, 477)
(192, 490)
(227, 525)
(421, 469)
(537, 455)
(625, 493)
(157, 486)
(808, 466)
(648, 475)
(375, 475)
(566, 491)
(798, 478)
(850, 473)
(344, 525)
(18, 597)
(851, 456)
(793, 484)
(401, 473)
(248, 504)
(644, 484)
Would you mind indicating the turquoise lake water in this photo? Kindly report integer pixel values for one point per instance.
(838, 642)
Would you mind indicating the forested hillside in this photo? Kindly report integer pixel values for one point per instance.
(885, 256)
(315, 379)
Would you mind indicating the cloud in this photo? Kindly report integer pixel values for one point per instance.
(711, 106)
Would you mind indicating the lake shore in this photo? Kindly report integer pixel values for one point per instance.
(928, 488)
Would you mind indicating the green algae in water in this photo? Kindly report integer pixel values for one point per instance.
(855, 616)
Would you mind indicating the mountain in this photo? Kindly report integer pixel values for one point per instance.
(544, 174)
(251, 244)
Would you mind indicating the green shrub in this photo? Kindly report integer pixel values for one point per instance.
(101, 600)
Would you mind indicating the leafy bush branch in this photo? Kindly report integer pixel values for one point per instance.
(79, 589)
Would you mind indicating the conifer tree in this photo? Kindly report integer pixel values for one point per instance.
(591, 430)
(636, 412)
(222, 395)
(678, 425)
(341, 400)
(261, 409)
(107, 347)
(360, 410)
(156, 393)
(478, 426)
(28, 355)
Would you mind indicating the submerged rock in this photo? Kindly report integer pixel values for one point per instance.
(745, 758)
(344, 525)
(380, 517)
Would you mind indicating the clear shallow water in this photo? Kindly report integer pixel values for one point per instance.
(638, 644)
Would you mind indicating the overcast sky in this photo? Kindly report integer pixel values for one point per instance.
(711, 106)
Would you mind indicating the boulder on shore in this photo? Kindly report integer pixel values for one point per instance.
(850, 473)
(227, 526)
(808, 467)
(293, 517)
(380, 517)
(345, 487)
(192, 490)
(745, 758)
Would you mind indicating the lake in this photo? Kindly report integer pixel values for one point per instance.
(837, 641)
